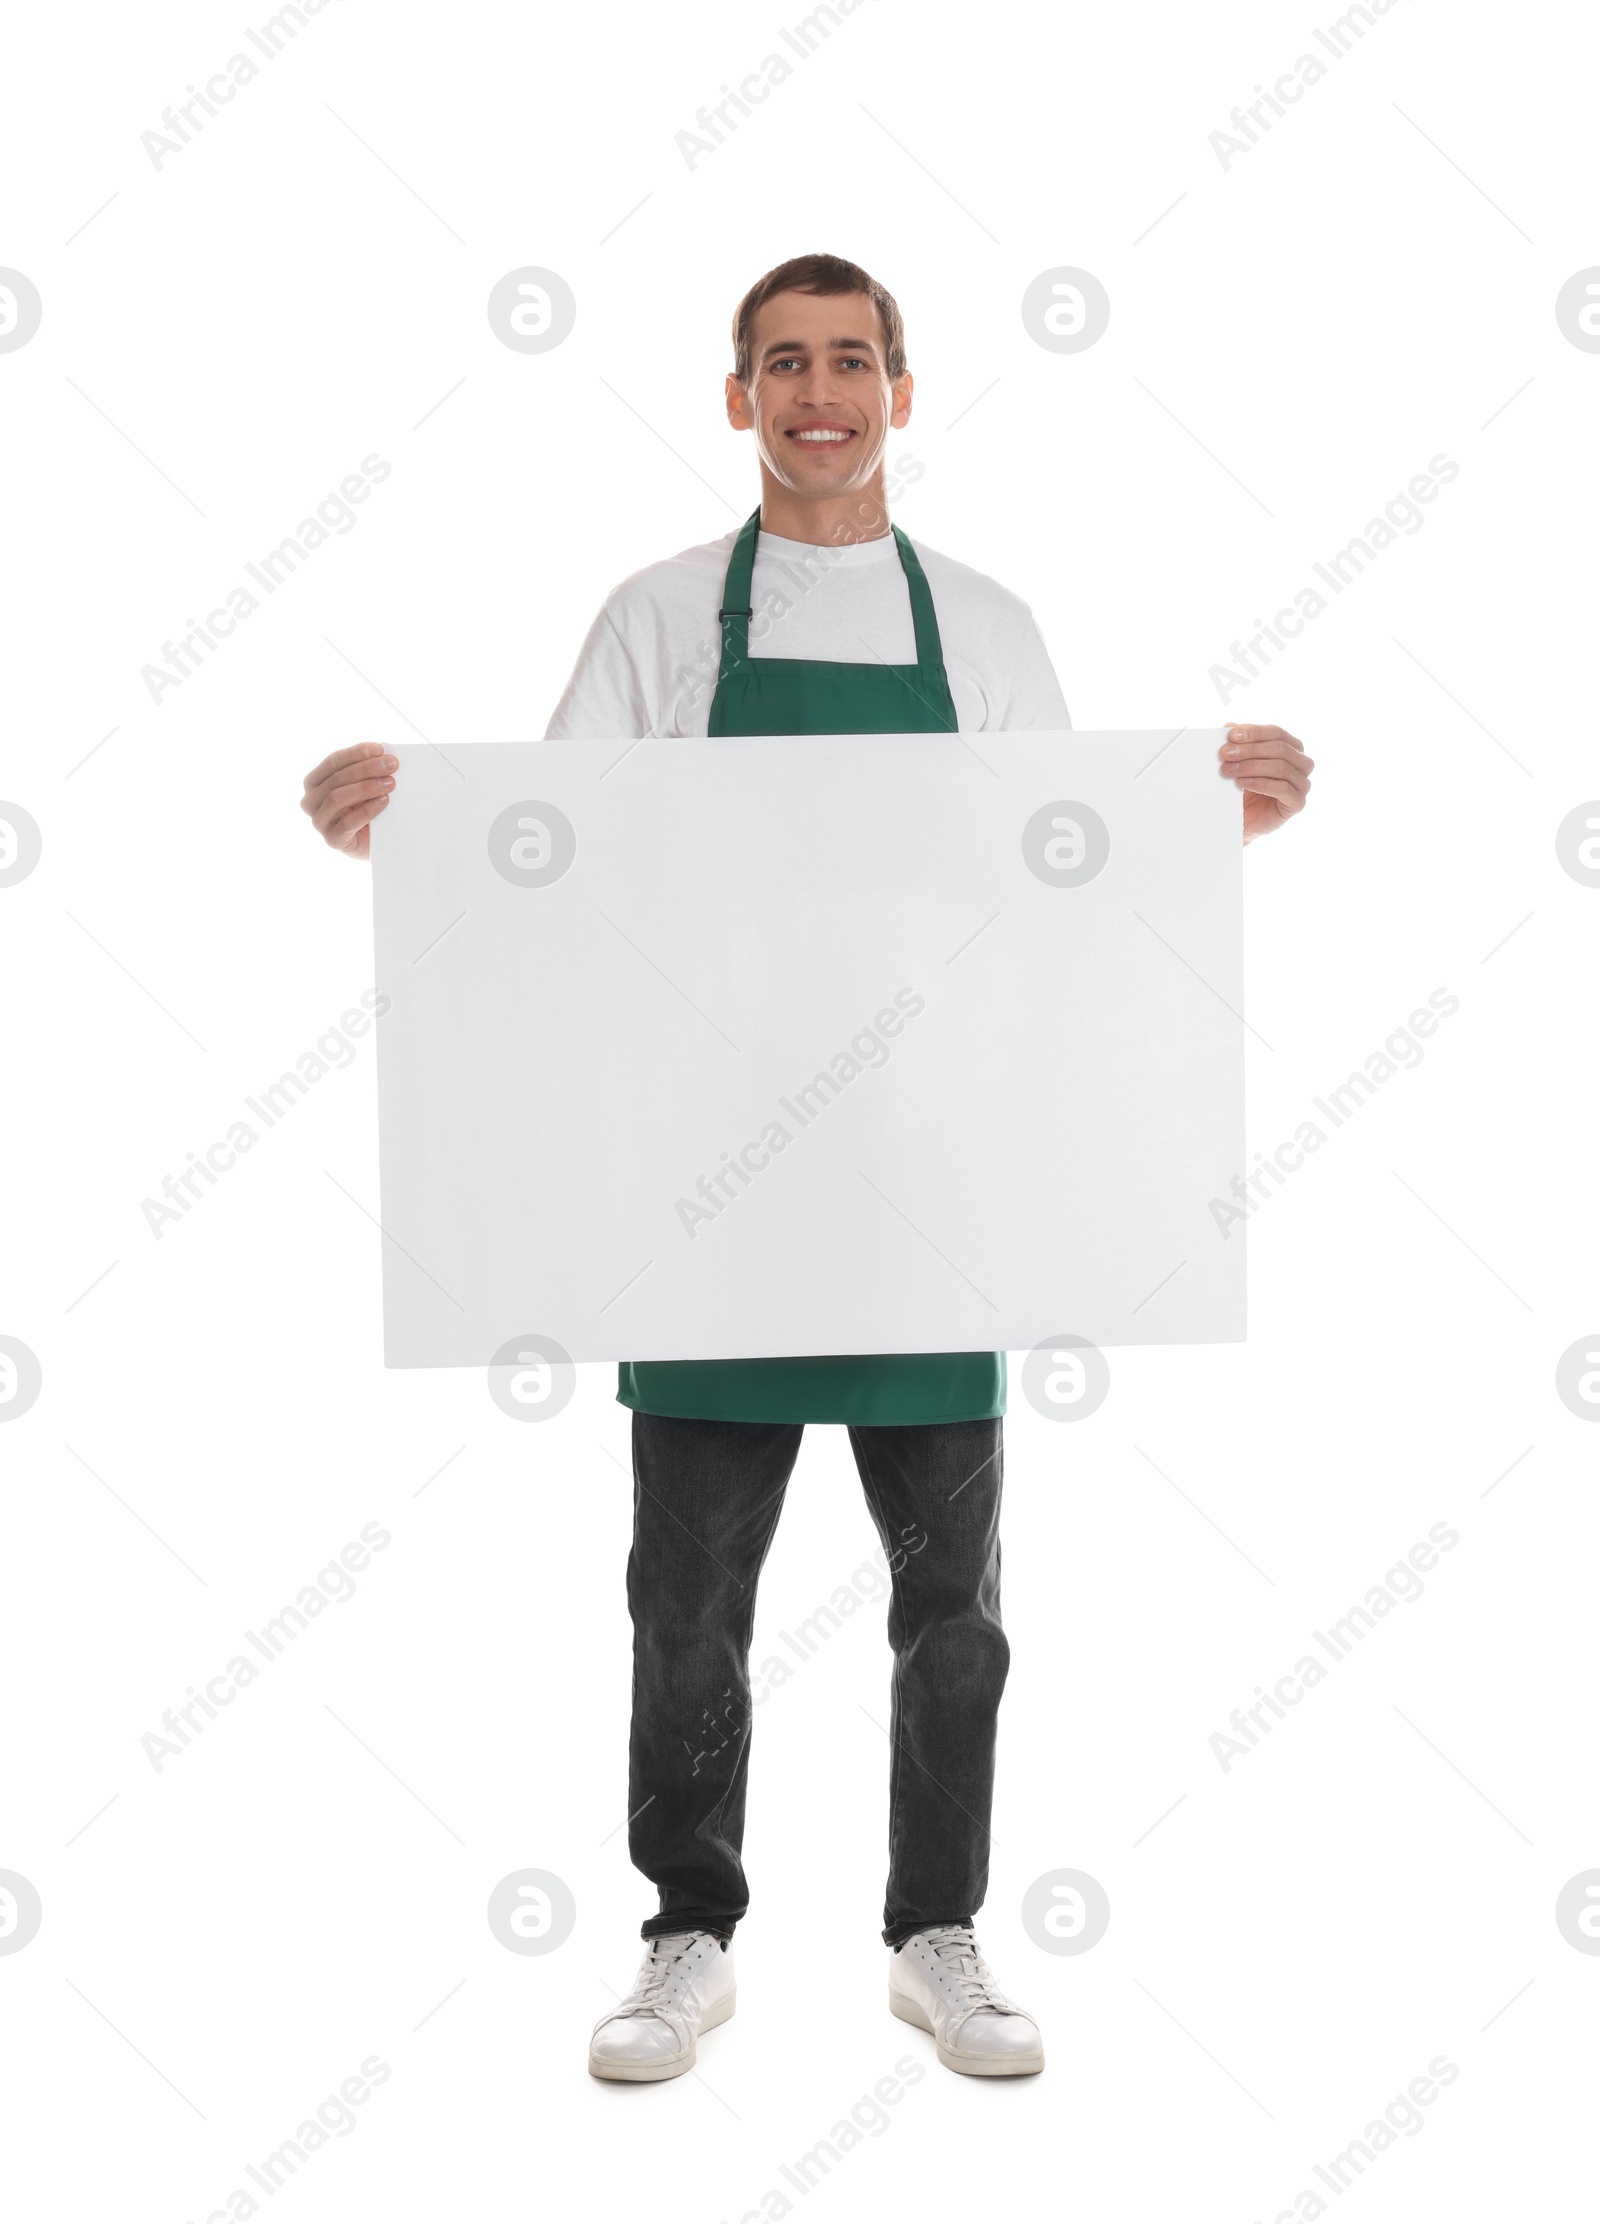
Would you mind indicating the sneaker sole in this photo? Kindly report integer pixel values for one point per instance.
(968, 2065)
(652, 2073)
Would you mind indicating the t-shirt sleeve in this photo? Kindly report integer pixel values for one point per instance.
(1034, 702)
(604, 700)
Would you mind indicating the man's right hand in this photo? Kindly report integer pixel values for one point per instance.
(345, 794)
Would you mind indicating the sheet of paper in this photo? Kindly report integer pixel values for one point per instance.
(724, 1048)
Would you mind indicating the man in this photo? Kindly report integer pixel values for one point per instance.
(814, 617)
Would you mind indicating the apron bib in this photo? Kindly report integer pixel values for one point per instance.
(796, 695)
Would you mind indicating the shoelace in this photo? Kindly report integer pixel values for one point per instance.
(659, 1976)
(957, 1955)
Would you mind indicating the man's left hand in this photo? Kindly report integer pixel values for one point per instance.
(1271, 771)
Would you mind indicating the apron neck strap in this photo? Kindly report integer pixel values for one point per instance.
(736, 611)
(930, 651)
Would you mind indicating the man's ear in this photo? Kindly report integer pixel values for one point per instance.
(741, 413)
(900, 400)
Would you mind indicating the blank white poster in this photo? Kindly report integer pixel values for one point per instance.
(837, 1044)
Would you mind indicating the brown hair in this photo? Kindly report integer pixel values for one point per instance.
(818, 274)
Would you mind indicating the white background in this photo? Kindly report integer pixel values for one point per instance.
(1290, 1943)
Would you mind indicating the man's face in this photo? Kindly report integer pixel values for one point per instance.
(819, 400)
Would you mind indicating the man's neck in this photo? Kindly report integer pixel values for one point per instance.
(861, 515)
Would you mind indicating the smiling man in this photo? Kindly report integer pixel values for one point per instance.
(817, 617)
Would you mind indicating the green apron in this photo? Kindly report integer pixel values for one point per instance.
(796, 695)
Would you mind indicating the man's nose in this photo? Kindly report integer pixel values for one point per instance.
(816, 389)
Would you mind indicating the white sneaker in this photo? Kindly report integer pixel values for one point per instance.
(940, 1981)
(684, 1986)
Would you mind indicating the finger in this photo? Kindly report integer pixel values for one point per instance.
(350, 788)
(1232, 751)
(320, 774)
(350, 822)
(1260, 733)
(1282, 791)
(344, 800)
(1266, 757)
(341, 757)
(1287, 775)
(1236, 752)
(368, 768)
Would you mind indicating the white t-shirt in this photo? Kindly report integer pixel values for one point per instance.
(649, 665)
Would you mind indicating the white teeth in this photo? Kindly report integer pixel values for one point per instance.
(832, 436)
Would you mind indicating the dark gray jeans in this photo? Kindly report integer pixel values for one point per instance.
(707, 1496)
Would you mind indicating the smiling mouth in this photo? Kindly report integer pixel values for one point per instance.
(821, 436)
